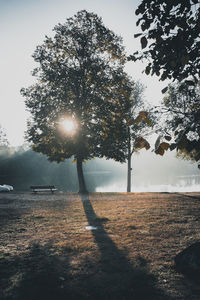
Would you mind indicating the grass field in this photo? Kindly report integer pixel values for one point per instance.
(48, 252)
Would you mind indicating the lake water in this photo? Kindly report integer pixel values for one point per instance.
(172, 184)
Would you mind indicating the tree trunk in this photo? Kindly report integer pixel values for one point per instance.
(81, 180)
(129, 175)
(129, 164)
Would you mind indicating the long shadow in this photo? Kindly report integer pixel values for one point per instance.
(38, 274)
(118, 278)
(9, 215)
(42, 273)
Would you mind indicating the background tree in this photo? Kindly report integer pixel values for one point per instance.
(171, 46)
(138, 127)
(3, 138)
(80, 79)
(4, 151)
(181, 130)
(170, 29)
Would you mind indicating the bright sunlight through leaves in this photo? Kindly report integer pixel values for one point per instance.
(68, 125)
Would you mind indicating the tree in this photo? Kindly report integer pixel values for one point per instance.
(182, 121)
(170, 29)
(138, 124)
(80, 79)
(3, 138)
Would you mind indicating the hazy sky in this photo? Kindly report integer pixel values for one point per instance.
(23, 26)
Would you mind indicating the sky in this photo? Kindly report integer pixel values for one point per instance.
(23, 26)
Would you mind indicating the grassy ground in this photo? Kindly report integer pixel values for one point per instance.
(46, 251)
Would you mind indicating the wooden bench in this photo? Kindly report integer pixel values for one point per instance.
(43, 188)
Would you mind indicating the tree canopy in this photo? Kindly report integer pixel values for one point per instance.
(170, 42)
(80, 76)
(181, 130)
(170, 38)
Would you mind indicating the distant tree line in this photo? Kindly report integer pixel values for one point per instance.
(23, 168)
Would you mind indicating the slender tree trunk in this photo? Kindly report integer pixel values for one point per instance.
(129, 175)
(81, 180)
(129, 164)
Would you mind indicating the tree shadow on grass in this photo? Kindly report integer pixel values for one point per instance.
(9, 216)
(38, 274)
(117, 277)
(9, 213)
(43, 273)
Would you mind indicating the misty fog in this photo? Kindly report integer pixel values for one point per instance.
(153, 173)
(23, 168)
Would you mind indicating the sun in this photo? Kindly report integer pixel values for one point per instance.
(68, 125)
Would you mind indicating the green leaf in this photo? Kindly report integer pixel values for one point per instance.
(130, 121)
(160, 151)
(190, 82)
(137, 35)
(148, 121)
(164, 90)
(164, 146)
(147, 70)
(138, 21)
(142, 143)
(143, 115)
(138, 11)
(168, 138)
(173, 146)
(131, 58)
(163, 76)
(144, 42)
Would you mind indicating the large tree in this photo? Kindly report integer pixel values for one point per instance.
(80, 79)
(170, 38)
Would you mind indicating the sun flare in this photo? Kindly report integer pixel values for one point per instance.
(68, 125)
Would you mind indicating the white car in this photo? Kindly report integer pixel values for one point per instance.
(6, 188)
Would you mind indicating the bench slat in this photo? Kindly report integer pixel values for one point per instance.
(43, 188)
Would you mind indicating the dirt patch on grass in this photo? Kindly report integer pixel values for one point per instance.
(46, 252)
